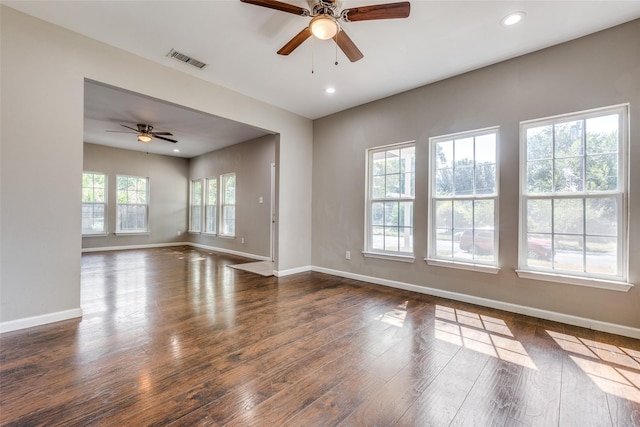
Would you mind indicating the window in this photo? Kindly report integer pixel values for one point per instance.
(228, 220)
(133, 202)
(390, 197)
(195, 213)
(573, 189)
(464, 199)
(94, 203)
(211, 206)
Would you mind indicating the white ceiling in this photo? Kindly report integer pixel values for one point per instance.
(239, 41)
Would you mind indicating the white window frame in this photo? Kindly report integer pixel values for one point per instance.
(103, 203)
(195, 206)
(126, 231)
(210, 183)
(370, 251)
(224, 204)
(473, 264)
(618, 281)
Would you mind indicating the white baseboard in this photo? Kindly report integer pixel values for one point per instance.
(124, 248)
(597, 325)
(282, 273)
(229, 251)
(29, 322)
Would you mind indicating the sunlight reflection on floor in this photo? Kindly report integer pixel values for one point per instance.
(484, 334)
(613, 369)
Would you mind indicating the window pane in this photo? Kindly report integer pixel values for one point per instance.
(463, 179)
(569, 252)
(601, 255)
(393, 186)
(540, 143)
(378, 187)
(539, 250)
(377, 238)
(393, 161)
(463, 151)
(444, 182)
(568, 175)
(602, 216)
(540, 177)
(463, 214)
(602, 172)
(444, 216)
(391, 239)
(444, 155)
(602, 134)
(568, 139)
(539, 216)
(377, 213)
(378, 164)
(211, 219)
(391, 213)
(484, 214)
(486, 179)
(567, 216)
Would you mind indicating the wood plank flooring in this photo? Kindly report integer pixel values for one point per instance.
(172, 337)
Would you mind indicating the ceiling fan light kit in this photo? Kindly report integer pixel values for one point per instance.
(324, 23)
(144, 137)
(324, 27)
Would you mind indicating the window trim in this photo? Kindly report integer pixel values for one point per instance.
(105, 231)
(619, 282)
(368, 251)
(471, 265)
(120, 232)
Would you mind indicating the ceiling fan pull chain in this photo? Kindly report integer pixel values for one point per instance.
(336, 43)
(312, 51)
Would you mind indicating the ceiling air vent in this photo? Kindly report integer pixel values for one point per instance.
(186, 59)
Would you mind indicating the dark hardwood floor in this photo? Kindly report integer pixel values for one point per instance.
(171, 337)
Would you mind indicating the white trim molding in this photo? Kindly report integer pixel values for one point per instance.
(124, 248)
(228, 251)
(282, 273)
(43, 319)
(583, 322)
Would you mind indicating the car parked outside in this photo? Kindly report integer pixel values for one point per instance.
(483, 244)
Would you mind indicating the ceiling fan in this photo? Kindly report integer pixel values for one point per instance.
(145, 133)
(324, 24)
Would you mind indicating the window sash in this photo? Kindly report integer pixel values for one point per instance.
(576, 220)
(195, 210)
(94, 205)
(132, 211)
(227, 208)
(463, 219)
(390, 199)
(211, 206)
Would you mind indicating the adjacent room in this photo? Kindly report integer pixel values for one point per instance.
(432, 220)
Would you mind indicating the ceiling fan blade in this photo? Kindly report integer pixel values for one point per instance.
(348, 46)
(377, 11)
(165, 139)
(278, 5)
(119, 131)
(295, 42)
(161, 133)
(129, 127)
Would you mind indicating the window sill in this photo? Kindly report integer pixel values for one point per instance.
(480, 268)
(227, 236)
(95, 235)
(389, 257)
(204, 233)
(193, 232)
(574, 280)
(132, 233)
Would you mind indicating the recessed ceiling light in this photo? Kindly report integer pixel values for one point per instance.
(330, 90)
(512, 18)
(175, 150)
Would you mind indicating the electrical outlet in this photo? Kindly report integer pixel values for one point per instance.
(347, 255)
(242, 240)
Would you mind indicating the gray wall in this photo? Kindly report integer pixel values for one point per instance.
(168, 194)
(599, 70)
(41, 246)
(251, 162)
